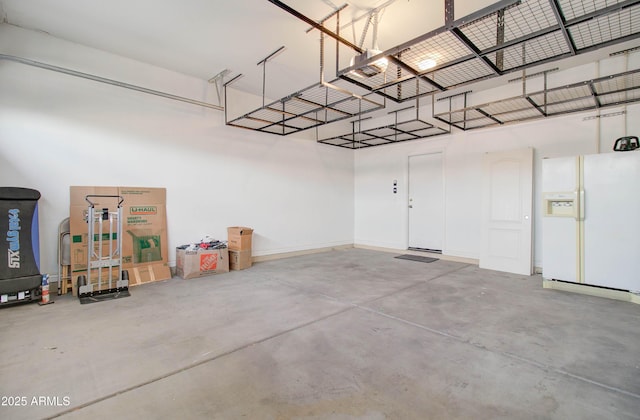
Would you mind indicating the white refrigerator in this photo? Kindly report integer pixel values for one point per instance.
(591, 220)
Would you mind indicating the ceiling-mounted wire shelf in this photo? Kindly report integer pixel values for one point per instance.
(618, 89)
(507, 36)
(315, 105)
(392, 133)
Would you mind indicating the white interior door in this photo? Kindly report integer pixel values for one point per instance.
(507, 211)
(426, 202)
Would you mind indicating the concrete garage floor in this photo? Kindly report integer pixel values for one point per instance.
(351, 334)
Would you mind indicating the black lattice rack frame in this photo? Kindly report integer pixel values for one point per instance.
(319, 104)
(412, 129)
(508, 36)
(603, 92)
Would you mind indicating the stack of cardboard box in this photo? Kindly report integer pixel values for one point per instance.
(144, 251)
(239, 243)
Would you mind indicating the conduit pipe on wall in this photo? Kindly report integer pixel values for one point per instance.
(626, 68)
(598, 124)
(95, 78)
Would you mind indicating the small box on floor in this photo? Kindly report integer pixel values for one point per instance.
(201, 262)
(239, 260)
(239, 238)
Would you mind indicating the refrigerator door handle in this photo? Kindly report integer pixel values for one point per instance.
(580, 205)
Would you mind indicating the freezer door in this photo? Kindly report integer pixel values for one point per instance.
(612, 224)
(560, 249)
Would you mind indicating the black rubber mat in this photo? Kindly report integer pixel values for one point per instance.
(416, 258)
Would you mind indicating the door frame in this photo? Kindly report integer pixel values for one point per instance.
(432, 151)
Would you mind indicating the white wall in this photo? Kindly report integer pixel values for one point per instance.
(58, 130)
(381, 217)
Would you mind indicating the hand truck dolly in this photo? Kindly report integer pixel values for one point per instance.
(105, 278)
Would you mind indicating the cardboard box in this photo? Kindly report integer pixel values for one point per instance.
(203, 262)
(144, 251)
(239, 260)
(239, 238)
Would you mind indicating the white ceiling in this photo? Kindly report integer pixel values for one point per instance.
(203, 37)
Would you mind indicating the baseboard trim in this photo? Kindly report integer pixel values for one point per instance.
(591, 291)
(289, 254)
(281, 255)
(421, 253)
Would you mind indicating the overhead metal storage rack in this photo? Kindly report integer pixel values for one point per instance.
(505, 37)
(315, 105)
(618, 89)
(508, 36)
(392, 133)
